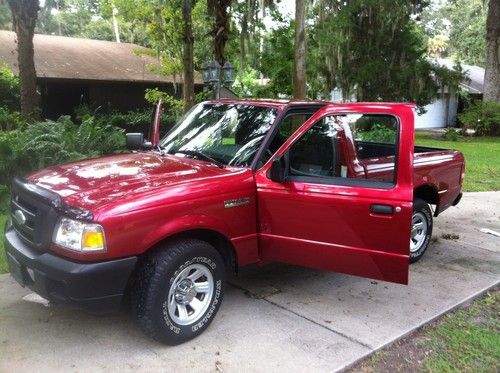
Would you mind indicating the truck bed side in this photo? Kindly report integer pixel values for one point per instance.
(437, 172)
(443, 170)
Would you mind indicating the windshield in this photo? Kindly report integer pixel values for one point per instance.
(228, 133)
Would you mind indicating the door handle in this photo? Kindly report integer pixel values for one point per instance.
(381, 209)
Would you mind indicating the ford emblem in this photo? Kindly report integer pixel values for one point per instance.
(19, 217)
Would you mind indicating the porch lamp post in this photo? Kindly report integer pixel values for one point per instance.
(217, 76)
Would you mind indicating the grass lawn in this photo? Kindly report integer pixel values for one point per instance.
(482, 159)
(467, 340)
(3, 259)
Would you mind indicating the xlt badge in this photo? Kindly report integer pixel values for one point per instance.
(236, 202)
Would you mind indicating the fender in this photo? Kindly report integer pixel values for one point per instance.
(183, 224)
(429, 182)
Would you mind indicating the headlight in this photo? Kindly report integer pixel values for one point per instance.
(78, 236)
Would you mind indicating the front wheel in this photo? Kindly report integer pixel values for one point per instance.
(178, 291)
(421, 229)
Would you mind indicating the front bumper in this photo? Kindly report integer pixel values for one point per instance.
(94, 287)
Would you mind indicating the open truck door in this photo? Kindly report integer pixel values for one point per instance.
(154, 127)
(136, 140)
(316, 209)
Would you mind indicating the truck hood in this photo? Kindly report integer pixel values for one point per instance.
(90, 184)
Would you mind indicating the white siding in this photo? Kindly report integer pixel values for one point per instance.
(434, 117)
(436, 112)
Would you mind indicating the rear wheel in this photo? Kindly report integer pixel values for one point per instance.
(421, 229)
(178, 291)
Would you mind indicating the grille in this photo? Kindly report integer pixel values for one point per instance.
(33, 216)
(26, 229)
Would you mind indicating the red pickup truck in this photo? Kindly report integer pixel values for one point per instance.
(335, 187)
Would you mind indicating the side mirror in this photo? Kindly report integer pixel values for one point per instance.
(279, 169)
(135, 141)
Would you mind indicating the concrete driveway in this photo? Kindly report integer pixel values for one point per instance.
(278, 318)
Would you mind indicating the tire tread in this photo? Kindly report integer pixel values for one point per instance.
(421, 205)
(150, 275)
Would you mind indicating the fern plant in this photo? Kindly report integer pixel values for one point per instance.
(48, 143)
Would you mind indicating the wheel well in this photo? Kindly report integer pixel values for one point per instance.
(216, 239)
(427, 193)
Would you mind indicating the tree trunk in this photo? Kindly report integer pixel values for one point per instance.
(188, 70)
(220, 32)
(299, 58)
(492, 71)
(116, 30)
(243, 39)
(24, 15)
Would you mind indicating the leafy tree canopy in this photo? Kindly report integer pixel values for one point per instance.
(461, 24)
(370, 49)
(374, 50)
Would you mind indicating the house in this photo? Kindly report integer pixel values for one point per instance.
(442, 112)
(100, 74)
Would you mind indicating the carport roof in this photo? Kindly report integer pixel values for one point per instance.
(474, 75)
(60, 57)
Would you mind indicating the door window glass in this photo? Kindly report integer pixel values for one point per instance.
(286, 128)
(324, 150)
(315, 153)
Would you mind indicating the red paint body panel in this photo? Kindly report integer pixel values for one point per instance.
(330, 226)
(142, 198)
(442, 170)
(367, 263)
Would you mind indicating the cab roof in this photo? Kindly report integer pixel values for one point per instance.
(285, 103)
(274, 103)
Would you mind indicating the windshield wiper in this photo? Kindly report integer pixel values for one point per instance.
(200, 155)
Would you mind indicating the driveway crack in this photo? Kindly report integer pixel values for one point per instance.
(255, 296)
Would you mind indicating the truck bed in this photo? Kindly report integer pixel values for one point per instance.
(440, 169)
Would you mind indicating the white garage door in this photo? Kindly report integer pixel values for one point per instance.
(434, 117)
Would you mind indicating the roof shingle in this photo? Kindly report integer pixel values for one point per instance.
(60, 57)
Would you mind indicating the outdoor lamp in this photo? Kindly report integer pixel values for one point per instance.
(215, 75)
(214, 71)
(228, 74)
(206, 73)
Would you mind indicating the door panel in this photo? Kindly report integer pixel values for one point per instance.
(334, 227)
(335, 231)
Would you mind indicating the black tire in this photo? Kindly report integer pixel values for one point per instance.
(155, 279)
(421, 212)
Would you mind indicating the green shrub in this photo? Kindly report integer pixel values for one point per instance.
(174, 104)
(483, 117)
(48, 143)
(138, 121)
(451, 134)
(94, 138)
(4, 199)
(11, 157)
(378, 133)
(9, 89)
(132, 121)
(62, 141)
(9, 120)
